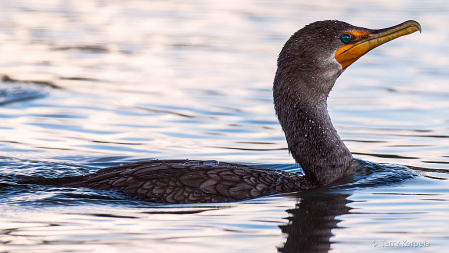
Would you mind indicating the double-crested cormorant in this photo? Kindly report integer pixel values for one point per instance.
(308, 66)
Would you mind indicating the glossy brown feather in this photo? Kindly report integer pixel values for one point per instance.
(185, 181)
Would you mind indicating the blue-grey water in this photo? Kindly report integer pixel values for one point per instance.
(192, 79)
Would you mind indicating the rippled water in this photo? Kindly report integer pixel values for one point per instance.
(93, 84)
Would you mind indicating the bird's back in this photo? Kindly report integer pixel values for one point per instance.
(187, 181)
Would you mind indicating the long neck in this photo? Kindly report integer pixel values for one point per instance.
(312, 139)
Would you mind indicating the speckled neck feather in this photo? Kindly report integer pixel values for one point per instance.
(306, 74)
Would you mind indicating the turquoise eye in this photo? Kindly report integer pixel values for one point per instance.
(345, 38)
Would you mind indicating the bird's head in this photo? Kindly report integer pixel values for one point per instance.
(318, 53)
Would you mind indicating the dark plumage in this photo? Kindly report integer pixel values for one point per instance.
(184, 181)
(308, 66)
(306, 74)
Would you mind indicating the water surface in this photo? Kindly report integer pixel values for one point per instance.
(167, 79)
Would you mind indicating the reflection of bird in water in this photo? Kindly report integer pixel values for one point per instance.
(312, 220)
(308, 66)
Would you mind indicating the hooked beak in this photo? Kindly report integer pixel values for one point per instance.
(364, 41)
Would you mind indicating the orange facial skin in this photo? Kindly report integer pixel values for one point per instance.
(362, 42)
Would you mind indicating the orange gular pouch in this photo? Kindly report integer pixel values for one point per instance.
(357, 42)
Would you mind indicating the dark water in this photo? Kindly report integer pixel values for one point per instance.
(102, 83)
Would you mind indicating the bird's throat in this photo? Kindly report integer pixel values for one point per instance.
(311, 137)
